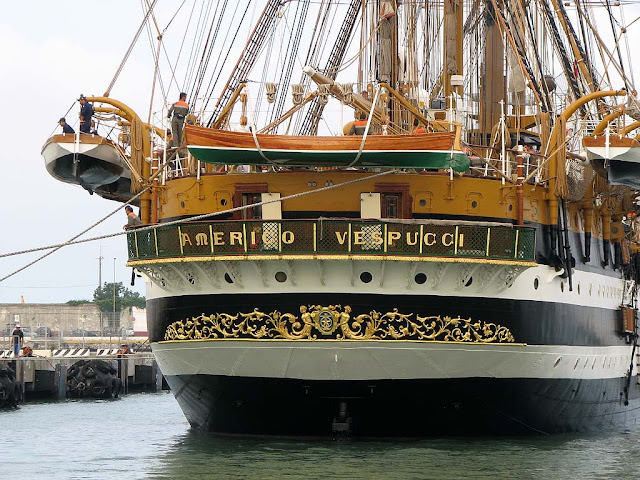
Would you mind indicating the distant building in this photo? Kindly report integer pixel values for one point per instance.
(60, 317)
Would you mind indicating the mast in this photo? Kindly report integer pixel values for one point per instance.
(453, 41)
(492, 87)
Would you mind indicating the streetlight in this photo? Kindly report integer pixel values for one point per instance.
(114, 299)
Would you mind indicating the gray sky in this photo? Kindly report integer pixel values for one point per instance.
(52, 52)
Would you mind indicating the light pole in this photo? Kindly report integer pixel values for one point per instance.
(114, 299)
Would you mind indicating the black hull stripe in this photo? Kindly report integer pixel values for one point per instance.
(418, 408)
(531, 322)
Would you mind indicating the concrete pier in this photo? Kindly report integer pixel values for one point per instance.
(45, 373)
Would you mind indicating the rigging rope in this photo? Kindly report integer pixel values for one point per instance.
(129, 50)
(69, 242)
(190, 219)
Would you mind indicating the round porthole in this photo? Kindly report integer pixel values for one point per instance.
(227, 278)
(510, 207)
(469, 282)
(420, 278)
(281, 277)
(423, 202)
(474, 204)
(182, 204)
(223, 202)
(536, 283)
(365, 277)
(562, 286)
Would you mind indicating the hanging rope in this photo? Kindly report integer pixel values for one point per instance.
(137, 154)
(366, 131)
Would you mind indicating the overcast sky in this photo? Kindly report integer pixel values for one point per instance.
(52, 52)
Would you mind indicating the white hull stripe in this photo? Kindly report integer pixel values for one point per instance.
(388, 360)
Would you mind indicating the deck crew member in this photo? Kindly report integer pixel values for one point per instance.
(179, 111)
(132, 219)
(86, 112)
(359, 126)
(66, 128)
(417, 128)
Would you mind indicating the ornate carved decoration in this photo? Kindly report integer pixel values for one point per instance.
(484, 276)
(262, 271)
(438, 274)
(209, 270)
(507, 276)
(336, 323)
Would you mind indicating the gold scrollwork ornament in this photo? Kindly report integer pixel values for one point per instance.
(326, 321)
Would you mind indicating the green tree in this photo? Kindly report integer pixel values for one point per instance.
(75, 303)
(103, 297)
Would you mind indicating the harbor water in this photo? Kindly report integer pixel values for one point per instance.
(146, 436)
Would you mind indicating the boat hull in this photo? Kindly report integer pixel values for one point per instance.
(92, 162)
(621, 157)
(433, 151)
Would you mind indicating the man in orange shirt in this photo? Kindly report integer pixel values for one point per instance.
(179, 110)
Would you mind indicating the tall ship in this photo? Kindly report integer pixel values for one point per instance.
(384, 218)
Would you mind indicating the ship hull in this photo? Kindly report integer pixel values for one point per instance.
(401, 408)
(567, 370)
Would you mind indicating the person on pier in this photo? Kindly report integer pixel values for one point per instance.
(17, 339)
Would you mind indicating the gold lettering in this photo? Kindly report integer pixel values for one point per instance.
(202, 239)
(358, 238)
(376, 238)
(235, 237)
(426, 238)
(254, 241)
(392, 236)
(186, 239)
(461, 240)
(288, 237)
(415, 238)
(342, 239)
(444, 242)
(218, 238)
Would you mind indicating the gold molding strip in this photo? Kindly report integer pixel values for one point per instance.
(337, 323)
(332, 340)
(397, 258)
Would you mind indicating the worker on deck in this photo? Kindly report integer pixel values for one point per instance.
(86, 112)
(66, 128)
(132, 219)
(179, 111)
(360, 126)
(417, 128)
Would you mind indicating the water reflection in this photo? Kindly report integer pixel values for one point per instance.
(146, 436)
